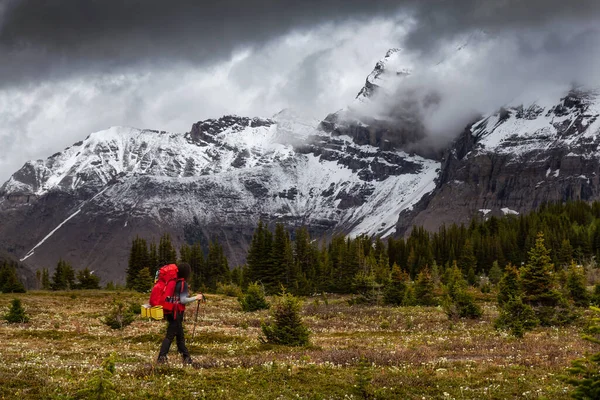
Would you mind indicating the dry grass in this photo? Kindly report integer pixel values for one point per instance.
(413, 352)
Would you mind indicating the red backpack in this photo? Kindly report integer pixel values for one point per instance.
(163, 293)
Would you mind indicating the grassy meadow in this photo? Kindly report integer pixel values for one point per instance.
(356, 352)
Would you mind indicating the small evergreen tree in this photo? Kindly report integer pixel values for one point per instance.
(87, 280)
(509, 286)
(539, 287)
(585, 375)
(495, 273)
(410, 299)
(9, 281)
(595, 299)
(472, 277)
(143, 281)
(458, 302)
(16, 313)
(516, 317)
(100, 385)
(45, 279)
(537, 277)
(424, 289)
(64, 276)
(576, 287)
(119, 316)
(287, 327)
(366, 287)
(254, 299)
(394, 291)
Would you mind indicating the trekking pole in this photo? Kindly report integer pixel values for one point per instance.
(196, 318)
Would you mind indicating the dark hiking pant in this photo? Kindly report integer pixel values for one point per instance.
(174, 330)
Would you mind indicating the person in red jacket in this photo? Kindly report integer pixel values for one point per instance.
(175, 318)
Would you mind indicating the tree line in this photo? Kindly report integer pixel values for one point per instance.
(282, 258)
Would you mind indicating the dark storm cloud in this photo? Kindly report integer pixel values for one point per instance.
(50, 38)
(59, 36)
(438, 20)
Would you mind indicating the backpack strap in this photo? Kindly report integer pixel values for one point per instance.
(177, 295)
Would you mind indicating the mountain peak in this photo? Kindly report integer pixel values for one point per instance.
(392, 66)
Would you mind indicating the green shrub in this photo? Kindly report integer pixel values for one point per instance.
(585, 375)
(254, 299)
(458, 302)
(394, 291)
(135, 308)
(367, 288)
(576, 286)
(509, 286)
(16, 313)
(119, 316)
(363, 379)
(424, 289)
(143, 281)
(516, 317)
(100, 385)
(9, 281)
(286, 327)
(495, 273)
(229, 289)
(595, 298)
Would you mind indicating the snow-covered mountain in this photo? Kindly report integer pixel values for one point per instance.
(359, 171)
(87, 202)
(516, 159)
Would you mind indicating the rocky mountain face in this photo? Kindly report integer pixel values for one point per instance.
(356, 172)
(515, 160)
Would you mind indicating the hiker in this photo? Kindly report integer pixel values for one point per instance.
(175, 318)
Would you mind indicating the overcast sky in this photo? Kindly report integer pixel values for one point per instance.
(71, 67)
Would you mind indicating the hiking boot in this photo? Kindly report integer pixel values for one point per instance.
(161, 360)
(187, 360)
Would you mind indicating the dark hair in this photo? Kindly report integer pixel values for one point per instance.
(184, 270)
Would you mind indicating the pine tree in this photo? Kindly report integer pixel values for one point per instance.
(138, 259)
(153, 263)
(537, 276)
(458, 302)
(254, 298)
(467, 260)
(166, 251)
(395, 290)
(217, 267)
(9, 281)
(304, 271)
(539, 287)
(255, 260)
(279, 262)
(16, 313)
(45, 279)
(64, 276)
(143, 281)
(197, 266)
(584, 371)
(516, 317)
(576, 286)
(286, 327)
(382, 268)
(495, 273)
(509, 286)
(409, 299)
(424, 289)
(565, 253)
(87, 280)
